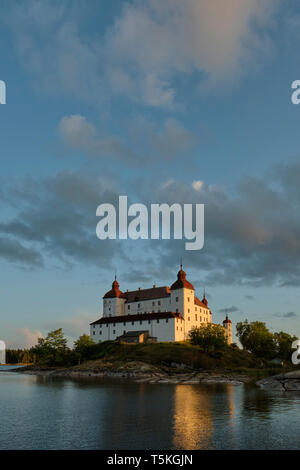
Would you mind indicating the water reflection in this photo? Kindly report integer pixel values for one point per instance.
(54, 413)
(193, 422)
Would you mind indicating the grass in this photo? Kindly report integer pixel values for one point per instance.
(164, 355)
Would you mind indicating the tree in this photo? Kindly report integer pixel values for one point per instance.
(283, 343)
(53, 349)
(83, 347)
(256, 338)
(210, 337)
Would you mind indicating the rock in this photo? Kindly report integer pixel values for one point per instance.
(289, 382)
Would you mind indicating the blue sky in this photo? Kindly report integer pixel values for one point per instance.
(147, 99)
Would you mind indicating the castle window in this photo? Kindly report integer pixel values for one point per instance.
(196, 318)
(200, 318)
(176, 299)
(180, 329)
(149, 321)
(177, 328)
(132, 322)
(141, 322)
(188, 310)
(176, 310)
(100, 332)
(188, 299)
(167, 320)
(189, 319)
(114, 324)
(153, 303)
(114, 332)
(109, 309)
(196, 309)
(101, 325)
(124, 323)
(94, 333)
(158, 302)
(128, 307)
(106, 325)
(124, 331)
(157, 321)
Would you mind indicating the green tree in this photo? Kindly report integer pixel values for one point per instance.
(210, 337)
(53, 349)
(283, 342)
(256, 338)
(83, 347)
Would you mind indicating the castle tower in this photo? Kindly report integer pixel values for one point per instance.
(113, 301)
(183, 299)
(227, 325)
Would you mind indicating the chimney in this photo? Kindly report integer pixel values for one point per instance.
(154, 285)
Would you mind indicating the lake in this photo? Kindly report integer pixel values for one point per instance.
(46, 413)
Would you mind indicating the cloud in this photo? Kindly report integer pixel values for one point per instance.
(80, 134)
(17, 253)
(252, 232)
(150, 142)
(145, 51)
(286, 315)
(158, 41)
(59, 222)
(249, 297)
(25, 338)
(73, 326)
(227, 310)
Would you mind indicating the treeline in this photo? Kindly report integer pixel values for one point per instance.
(53, 351)
(254, 338)
(19, 356)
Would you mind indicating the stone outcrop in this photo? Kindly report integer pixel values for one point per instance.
(140, 372)
(289, 382)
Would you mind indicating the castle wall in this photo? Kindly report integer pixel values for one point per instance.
(162, 329)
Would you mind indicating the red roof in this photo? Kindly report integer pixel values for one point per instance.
(137, 317)
(227, 320)
(114, 292)
(147, 294)
(198, 302)
(181, 282)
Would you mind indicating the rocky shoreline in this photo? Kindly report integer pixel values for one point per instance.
(140, 372)
(289, 382)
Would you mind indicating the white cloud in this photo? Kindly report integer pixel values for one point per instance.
(80, 134)
(142, 54)
(158, 40)
(197, 185)
(25, 338)
(147, 139)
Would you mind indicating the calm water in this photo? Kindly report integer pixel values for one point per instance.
(43, 413)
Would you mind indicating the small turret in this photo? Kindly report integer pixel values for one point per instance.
(228, 329)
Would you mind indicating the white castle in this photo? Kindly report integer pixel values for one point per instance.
(159, 313)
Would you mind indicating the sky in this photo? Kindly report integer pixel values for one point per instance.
(165, 102)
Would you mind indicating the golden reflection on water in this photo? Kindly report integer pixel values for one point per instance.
(195, 414)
